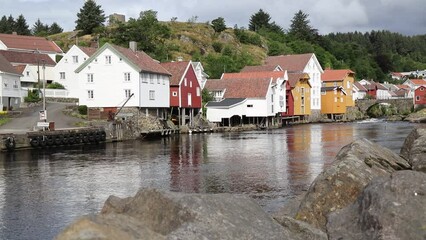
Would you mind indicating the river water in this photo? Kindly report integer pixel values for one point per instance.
(42, 191)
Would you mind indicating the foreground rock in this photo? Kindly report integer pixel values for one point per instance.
(392, 207)
(354, 167)
(159, 215)
(414, 149)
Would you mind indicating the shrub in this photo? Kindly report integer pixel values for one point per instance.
(217, 46)
(33, 96)
(55, 85)
(82, 109)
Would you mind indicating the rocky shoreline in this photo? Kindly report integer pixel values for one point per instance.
(368, 192)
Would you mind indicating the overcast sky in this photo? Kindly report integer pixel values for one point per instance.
(404, 16)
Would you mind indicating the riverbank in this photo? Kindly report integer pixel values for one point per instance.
(353, 194)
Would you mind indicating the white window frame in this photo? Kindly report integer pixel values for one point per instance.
(151, 94)
(174, 94)
(90, 94)
(75, 59)
(190, 83)
(108, 59)
(185, 82)
(158, 79)
(127, 77)
(417, 98)
(127, 93)
(151, 78)
(61, 75)
(90, 78)
(198, 92)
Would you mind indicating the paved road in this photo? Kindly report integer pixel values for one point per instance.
(29, 118)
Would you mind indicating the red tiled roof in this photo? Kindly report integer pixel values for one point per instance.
(27, 58)
(418, 81)
(360, 86)
(177, 69)
(142, 60)
(240, 87)
(6, 67)
(335, 75)
(88, 50)
(293, 78)
(291, 63)
(266, 75)
(402, 86)
(262, 68)
(32, 43)
(20, 68)
(397, 74)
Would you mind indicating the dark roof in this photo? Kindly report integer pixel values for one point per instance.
(29, 43)
(88, 50)
(214, 84)
(227, 102)
(360, 87)
(293, 78)
(27, 58)
(291, 63)
(6, 67)
(262, 68)
(177, 69)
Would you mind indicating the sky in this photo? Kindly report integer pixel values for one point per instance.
(407, 17)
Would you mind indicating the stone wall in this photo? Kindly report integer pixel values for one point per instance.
(404, 106)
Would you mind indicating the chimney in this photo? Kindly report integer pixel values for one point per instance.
(179, 59)
(133, 46)
(14, 33)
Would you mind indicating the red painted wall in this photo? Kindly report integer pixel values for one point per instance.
(289, 101)
(420, 93)
(174, 100)
(196, 100)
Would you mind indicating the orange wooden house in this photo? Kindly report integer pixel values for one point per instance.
(298, 96)
(344, 78)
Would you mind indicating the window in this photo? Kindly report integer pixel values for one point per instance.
(108, 59)
(335, 84)
(249, 105)
(323, 92)
(190, 83)
(75, 59)
(158, 79)
(127, 93)
(335, 99)
(127, 77)
(185, 82)
(96, 60)
(417, 98)
(28, 73)
(174, 94)
(341, 99)
(198, 91)
(144, 77)
(348, 84)
(151, 78)
(90, 77)
(90, 94)
(151, 95)
(5, 84)
(15, 85)
(335, 92)
(272, 97)
(164, 80)
(62, 75)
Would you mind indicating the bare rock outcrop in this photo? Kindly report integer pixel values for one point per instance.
(390, 207)
(414, 149)
(338, 186)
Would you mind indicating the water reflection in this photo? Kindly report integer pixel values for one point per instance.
(41, 191)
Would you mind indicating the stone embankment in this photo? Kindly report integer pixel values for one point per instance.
(368, 192)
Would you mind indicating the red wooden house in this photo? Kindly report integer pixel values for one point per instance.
(420, 96)
(185, 91)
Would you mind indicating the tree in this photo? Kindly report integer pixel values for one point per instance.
(10, 24)
(218, 24)
(3, 24)
(40, 29)
(55, 29)
(300, 28)
(259, 20)
(90, 17)
(21, 26)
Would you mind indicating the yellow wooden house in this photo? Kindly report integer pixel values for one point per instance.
(299, 95)
(344, 78)
(333, 102)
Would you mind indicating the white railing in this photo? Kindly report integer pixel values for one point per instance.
(53, 93)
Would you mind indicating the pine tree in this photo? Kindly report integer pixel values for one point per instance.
(90, 17)
(55, 29)
(10, 26)
(300, 28)
(40, 29)
(259, 20)
(21, 27)
(3, 24)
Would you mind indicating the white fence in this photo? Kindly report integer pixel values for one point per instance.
(54, 93)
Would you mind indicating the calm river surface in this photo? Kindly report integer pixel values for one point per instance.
(42, 191)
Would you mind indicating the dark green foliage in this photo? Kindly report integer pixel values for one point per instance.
(300, 28)
(381, 110)
(55, 29)
(259, 20)
(40, 29)
(33, 96)
(217, 46)
(90, 17)
(206, 97)
(218, 24)
(21, 26)
(55, 85)
(228, 61)
(82, 109)
(247, 37)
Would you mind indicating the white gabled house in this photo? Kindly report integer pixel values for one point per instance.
(64, 71)
(199, 72)
(10, 85)
(115, 74)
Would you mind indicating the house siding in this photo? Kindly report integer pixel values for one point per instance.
(314, 70)
(174, 100)
(10, 91)
(420, 96)
(302, 103)
(333, 102)
(191, 88)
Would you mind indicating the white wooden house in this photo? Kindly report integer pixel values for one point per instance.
(115, 74)
(64, 71)
(10, 86)
(199, 72)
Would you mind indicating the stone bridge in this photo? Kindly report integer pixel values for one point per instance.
(404, 105)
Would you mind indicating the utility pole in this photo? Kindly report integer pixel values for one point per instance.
(44, 91)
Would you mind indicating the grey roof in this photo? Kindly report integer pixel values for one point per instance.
(227, 102)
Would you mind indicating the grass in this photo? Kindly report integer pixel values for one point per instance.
(4, 120)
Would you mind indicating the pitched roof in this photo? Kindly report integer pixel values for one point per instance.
(227, 102)
(6, 67)
(401, 92)
(240, 87)
(402, 86)
(381, 87)
(27, 58)
(293, 78)
(141, 60)
(89, 51)
(291, 63)
(335, 75)
(29, 43)
(360, 87)
(177, 69)
(262, 68)
(20, 68)
(249, 75)
(418, 81)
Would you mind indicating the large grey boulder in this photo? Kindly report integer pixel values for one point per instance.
(153, 214)
(340, 184)
(414, 149)
(300, 230)
(391, 207)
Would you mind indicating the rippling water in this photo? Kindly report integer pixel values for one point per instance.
(42, 191)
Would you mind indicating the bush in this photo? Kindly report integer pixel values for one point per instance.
(33, 96)
(217, 46)
(55, 85)
(82, 109)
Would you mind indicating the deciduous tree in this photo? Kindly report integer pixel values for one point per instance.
(218, 24)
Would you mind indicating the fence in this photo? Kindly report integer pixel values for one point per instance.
(53, 93)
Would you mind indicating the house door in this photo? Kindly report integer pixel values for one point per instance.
(189, 99)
